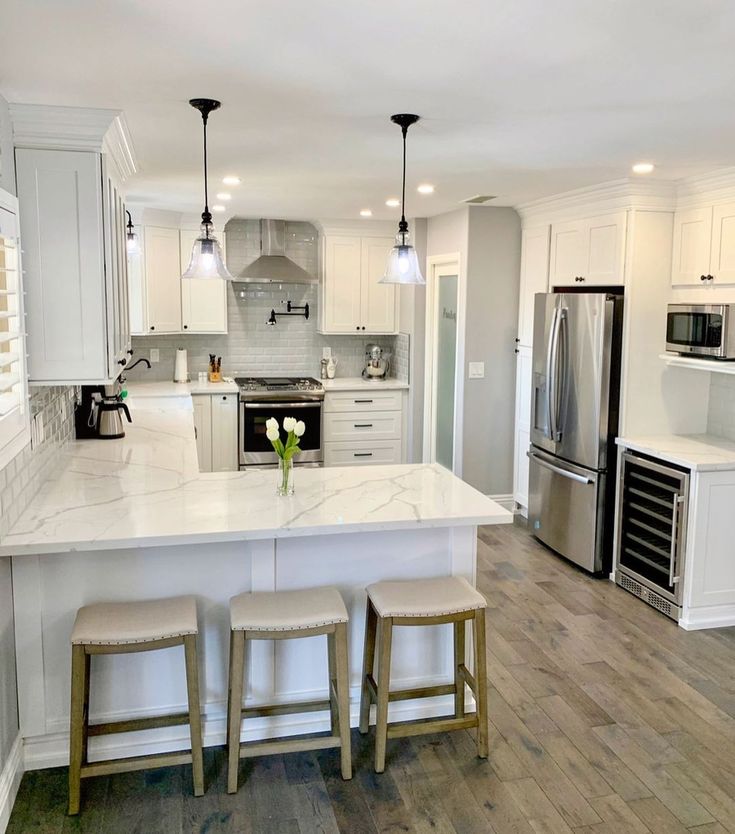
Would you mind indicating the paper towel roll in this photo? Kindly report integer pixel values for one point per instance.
(181, 371)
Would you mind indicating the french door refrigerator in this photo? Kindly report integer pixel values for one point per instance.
(574, 421)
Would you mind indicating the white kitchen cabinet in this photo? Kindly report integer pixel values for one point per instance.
(351, 299)
(162, 279)
(363, 426)
(589, 251)
(692, 246)
(534, 277)
(203, 301)
(375, 453)
(72, 221)
(215, 422)
(523, 425)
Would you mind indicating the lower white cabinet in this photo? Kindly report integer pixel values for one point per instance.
(523, 426)
(215, 424)
(363, 427)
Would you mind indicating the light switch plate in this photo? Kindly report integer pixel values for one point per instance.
(326, 352)
(155, 355)
(477, 370)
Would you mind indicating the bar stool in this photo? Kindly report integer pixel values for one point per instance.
(282, 615)
(423, 602)
(119, 628)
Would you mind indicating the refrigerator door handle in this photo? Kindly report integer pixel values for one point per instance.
(552, 382)
(582, 479)
(550, 428)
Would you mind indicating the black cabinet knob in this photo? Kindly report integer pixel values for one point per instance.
(224, 397)
(122, 362)
(358, 327)
(152, 327)
(710, 277)
(130, 351)
(702, 277)
(186, 327)
(517, 340)
(363, 327)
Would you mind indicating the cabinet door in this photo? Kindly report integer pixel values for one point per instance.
(163, 279)
(340, 294)
(116, 277)
(203, 301)
(203, 430)
(61, 224)
(534, 277)
(136, 291)
(692, 246)
(378, 302)
(523, 425)
(605, 250)
(722, 259)
(568, 252)
(224, 432)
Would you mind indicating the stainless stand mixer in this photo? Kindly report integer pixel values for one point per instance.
(377, 363)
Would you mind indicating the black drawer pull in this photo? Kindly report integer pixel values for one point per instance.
(363, 425)
(362, 454)
(362, 401)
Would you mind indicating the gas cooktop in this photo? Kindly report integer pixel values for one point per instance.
(269, 385)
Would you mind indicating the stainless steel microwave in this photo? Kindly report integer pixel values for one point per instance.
(701, 330)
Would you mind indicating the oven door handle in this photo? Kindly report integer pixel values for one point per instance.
(272, 406)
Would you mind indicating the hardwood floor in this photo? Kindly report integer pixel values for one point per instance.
(604, 717)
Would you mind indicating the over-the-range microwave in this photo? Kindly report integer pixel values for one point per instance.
(701, 330)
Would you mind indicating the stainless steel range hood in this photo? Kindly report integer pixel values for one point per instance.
(273, 267)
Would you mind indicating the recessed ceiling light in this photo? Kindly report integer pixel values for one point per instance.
(231, 179)
(218, 208)
(393, 202)
(366, 213)
(223, 195)
(643, 168)
(425, 188)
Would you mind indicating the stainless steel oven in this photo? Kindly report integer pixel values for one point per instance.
(256, 449)
(701, 330)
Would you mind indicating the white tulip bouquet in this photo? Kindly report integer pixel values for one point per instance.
(285, 452)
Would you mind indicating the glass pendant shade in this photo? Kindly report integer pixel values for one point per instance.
(403, 263)
(132, 242)
(206, 257)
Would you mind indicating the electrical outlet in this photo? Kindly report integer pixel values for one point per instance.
(326, 352)
(476, 370)
(155, 355)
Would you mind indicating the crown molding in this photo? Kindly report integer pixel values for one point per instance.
(707, 189)
(628, 193)
(75, 128)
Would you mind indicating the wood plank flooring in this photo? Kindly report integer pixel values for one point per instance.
(604, 717)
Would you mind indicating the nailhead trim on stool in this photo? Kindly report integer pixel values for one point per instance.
(420, 603)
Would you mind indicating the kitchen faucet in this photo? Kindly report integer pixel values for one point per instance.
(137, 362)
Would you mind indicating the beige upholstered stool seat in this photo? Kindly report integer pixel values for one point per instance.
(287, 610)
(119, 623)
(425, 597)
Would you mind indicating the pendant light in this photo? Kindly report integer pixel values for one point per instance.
(206, 254)
(403, 263)
(130, 236)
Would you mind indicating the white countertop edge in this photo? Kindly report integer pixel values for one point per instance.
(38, 549)
(357, 383)
(698, 452)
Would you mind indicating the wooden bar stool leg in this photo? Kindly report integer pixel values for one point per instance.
(343, 698)
(85, 723)
(79, 668)
(459, 659)
(385, 639)
(234, 719)
(195, 715)
(333, 681)
(368, 661)
(481, 683)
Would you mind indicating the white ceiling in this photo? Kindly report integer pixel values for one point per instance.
(520, 99)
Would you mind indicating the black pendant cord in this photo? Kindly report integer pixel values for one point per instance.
(403, 225)
(206, 215)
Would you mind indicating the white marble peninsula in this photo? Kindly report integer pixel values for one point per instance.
(134, 519)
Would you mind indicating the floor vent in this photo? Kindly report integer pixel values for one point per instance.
(651, 597)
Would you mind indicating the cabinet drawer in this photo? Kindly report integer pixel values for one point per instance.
(359, 425)
(350, 454)
(363, 401)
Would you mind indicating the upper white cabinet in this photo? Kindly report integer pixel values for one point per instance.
(534, 277)
(351, 299)
(163, 279)
(203, 301)
(588, 251)
(704, 246)
(72, 220)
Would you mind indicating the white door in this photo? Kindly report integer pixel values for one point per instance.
(534, 277)
(163, 279)
(605, 245)
(692, 246)
(444, 359)
(722, 259)
(378, 308)
(224, 432)
(341, 288)
(523, 425)
(203, 300)
(568, 258)
(203, 430)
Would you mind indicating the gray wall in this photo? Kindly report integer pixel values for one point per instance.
(7, 159)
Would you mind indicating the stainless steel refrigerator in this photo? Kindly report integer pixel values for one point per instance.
(574, 421)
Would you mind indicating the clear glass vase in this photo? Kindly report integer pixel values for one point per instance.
(285, 477)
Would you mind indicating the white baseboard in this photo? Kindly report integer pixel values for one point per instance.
(10, 777)
(506, 501)
(711, 616)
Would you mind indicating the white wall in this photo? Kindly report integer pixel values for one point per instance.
(7, 158)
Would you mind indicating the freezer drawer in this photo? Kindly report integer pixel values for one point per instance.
(566, 507)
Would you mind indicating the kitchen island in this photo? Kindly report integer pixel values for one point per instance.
(135, 519)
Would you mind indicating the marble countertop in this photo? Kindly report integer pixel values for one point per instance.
(702, 452)
(146, 489)
(357, 383)
(179, 389)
